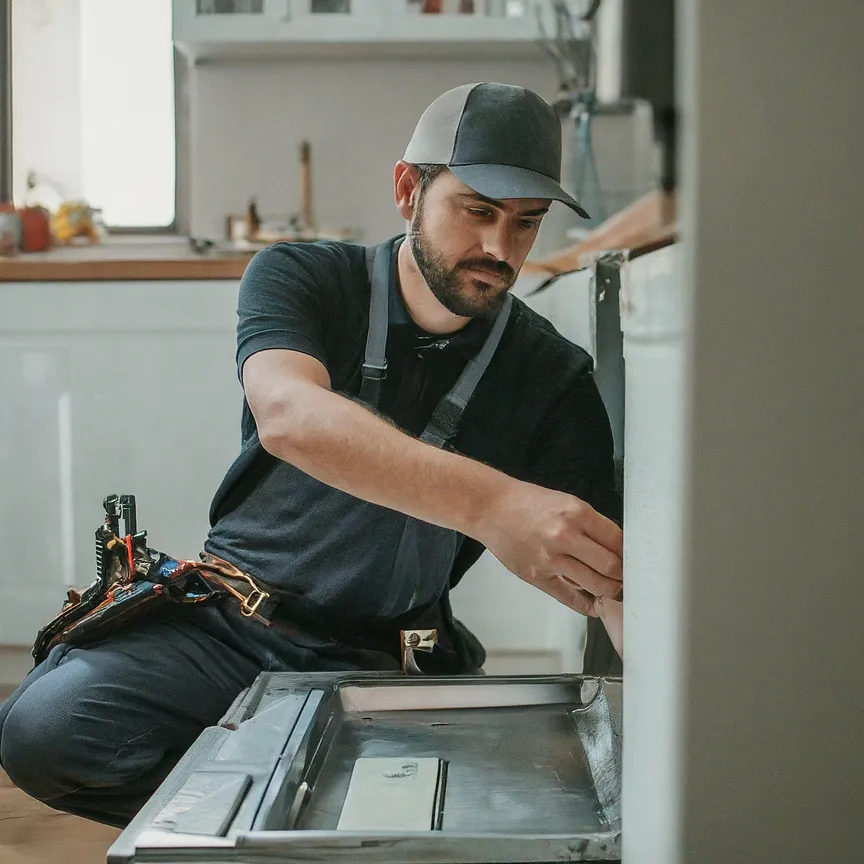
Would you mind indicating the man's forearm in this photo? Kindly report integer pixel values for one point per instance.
(346, 446)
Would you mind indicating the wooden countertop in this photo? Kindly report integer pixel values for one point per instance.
(171, 258)
(124, 259)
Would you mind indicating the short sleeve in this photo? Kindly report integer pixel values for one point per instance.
(283, 297)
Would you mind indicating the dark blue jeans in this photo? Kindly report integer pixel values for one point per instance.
(94, 731)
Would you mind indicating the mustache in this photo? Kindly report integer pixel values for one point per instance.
(496, 268)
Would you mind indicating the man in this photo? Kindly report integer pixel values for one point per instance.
(369, 480)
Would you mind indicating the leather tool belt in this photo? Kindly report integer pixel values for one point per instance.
(133, 579)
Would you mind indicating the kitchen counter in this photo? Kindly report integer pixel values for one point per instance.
(148, 258)
(126, 258)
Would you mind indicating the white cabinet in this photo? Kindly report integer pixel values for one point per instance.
(107, 387)
(236, 29)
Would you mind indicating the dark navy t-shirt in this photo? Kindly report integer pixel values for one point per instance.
(535, 415)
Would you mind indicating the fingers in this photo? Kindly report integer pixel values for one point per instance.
(569, 594)
(604, 531)
(594, 555)
(584, 577)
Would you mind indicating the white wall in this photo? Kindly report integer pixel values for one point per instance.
(46, 94)
(248, 119)
(768, 710)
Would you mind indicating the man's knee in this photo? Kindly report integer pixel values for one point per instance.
(37, 742)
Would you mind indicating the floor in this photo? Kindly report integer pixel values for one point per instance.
(31, 833)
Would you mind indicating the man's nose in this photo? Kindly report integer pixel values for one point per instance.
(498, 242)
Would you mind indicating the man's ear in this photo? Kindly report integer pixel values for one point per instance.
(406, 188)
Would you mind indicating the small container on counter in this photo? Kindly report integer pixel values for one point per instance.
(35, 229)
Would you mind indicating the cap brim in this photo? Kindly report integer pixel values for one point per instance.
(508, 181)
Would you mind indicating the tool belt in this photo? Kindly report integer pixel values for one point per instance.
(133, 579)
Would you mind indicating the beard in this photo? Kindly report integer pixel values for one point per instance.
(453, 287)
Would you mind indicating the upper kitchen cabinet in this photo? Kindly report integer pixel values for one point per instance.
(248, 29)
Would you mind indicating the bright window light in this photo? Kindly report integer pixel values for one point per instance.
(127, 111)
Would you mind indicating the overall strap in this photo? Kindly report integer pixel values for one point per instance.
(374, 370)
(444, 425)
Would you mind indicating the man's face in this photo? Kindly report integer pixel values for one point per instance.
(469, 248)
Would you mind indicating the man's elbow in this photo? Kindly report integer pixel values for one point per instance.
(284, 423)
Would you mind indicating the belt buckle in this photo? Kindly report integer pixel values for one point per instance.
(251, 602)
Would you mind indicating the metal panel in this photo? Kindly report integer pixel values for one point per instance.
(205, 804)
(532, 774)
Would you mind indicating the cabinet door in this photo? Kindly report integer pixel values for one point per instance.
(271, 21)
(106, 388)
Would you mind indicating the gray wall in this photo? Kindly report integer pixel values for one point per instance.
(774, 641)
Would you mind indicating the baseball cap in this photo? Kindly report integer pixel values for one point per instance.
(501, 140)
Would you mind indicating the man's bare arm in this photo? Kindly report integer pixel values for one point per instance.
(550, 539)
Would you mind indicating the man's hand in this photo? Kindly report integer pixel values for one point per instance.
(557, 543)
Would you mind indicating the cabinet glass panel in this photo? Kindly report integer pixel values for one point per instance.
(331, 7)
(489, 8)
(229, 7)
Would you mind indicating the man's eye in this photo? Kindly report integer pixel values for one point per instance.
(479, 211)
(530, 224)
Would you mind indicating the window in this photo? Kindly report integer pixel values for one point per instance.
(93, 106)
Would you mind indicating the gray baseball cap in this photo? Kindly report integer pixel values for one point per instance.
(502, 141)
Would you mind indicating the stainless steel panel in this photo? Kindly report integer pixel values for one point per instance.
(533, 772)
(206, 803)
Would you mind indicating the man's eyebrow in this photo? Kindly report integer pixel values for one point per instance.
(476, 196)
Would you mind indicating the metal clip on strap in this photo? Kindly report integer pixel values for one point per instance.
(249, 603)
(377, 373)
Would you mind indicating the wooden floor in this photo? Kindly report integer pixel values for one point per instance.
(31, 833)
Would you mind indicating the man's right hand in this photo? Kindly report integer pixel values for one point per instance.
(557, 543)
